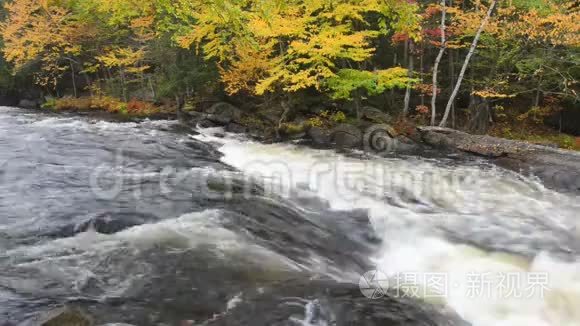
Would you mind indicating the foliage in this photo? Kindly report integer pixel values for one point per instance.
(109, 52)
(349, 81)
(326, 119)
(292, 128)
(134, 107)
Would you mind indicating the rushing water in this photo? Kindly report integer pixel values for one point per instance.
(152, 224)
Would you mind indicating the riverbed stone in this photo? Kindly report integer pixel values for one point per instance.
(66, 316)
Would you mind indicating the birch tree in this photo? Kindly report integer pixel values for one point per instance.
(437, 62)
(466, 63)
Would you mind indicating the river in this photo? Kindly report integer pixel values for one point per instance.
(151, 223)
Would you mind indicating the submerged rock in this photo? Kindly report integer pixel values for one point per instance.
(297, 302)
(65, 316)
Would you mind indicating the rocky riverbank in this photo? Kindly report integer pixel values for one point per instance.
(558, 169)
(374, 133)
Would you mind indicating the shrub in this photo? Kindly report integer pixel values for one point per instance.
(315, 122)
(338, 117)
(105, 103)
(50, 104)
(327, 119)
(292, 128)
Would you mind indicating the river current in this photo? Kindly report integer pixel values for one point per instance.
(152, 223)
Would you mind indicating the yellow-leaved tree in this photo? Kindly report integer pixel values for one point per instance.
(292, 45)
(42, 32)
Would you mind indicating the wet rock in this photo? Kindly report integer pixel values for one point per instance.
(378, 140)
(113, 223)
(346, 136)
(270, 116)
(297, 302)
(558, 169)
(375, 115)
(28, 104)
(224, 113)
(404, 144)
(207, 124)
(320, 137)
(236, 128)
(66, 316)
(437, 140)
(192, 118)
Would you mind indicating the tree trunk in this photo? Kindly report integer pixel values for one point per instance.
(74, 81)
(123, 86)
(480, 116)
(411, 71)
(422, 68)
(89, 84)
(452, 77)
(436, 66)
(538, 93)
(392, 91)
(466, 63)
(286, 106)
(357, 105)
(153, 94)
(180, 104)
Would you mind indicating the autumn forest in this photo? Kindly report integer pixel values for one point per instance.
(509, 68)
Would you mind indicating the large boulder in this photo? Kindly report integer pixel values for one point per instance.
(319, 137)
(346, 136)
(206, 123)
(223, 113)
(559, 169)
(27, 104)
(379, 139)
(271, 115)
(404, 144)
(375, 115)
(236, 128)
(65, 316)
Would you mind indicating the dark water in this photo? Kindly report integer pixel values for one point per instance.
(152, 224)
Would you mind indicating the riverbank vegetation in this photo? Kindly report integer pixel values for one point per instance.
(482, 66)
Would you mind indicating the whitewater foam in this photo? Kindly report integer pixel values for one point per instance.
(419, 203)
